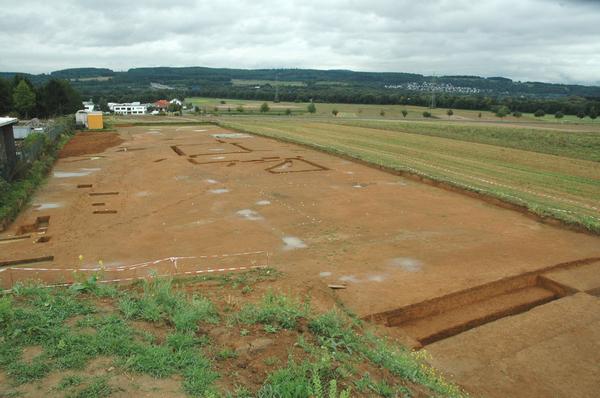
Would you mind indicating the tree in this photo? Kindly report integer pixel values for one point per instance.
(240, 109)
(103, 105)
(288, 111)
(426, 114)
(58, 97)
(311, 107)
(334, 112)
(502, 111)
(539, 113)
(559, 115)
(23, 99)
(174, 107)
(517, 114)
(404, 112)
(593, 113)
(581, 114)
(479, 115)
(5, 97)
(449, 112)
(382, 113)
(264, 107)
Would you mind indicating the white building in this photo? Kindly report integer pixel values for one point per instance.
(88, 106)
(131, 108)
(175, 101)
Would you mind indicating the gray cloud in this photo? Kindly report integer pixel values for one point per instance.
(555, 41)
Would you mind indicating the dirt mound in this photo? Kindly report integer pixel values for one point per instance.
(88, 143)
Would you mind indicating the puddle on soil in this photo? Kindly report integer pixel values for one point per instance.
(348, 172)
(179, 178)
(219, 191)
(142, 194)
(95, 158)
(45, 206)
(376, 278)
(92, 169)
(231, 135)
(70, 174)
(291, 243)
(349, 278)
(324, 274)
(218, 157)
(406, 263)
(249, 214)
(211, 181)
(200, 130)
(216, 149)
(263, 202)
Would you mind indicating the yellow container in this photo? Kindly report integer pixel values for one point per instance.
(95, 121)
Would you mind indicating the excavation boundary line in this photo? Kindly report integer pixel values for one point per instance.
(138, 265)
(197, 272)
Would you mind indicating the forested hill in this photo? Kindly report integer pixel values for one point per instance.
(92, 80)
(343, 86)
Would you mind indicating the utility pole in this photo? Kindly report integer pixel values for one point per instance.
(432, 104)
(276, 88)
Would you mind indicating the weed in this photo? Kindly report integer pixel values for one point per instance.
(97, 388)
(69, 381)
(160, 302)
(226, 353)
(278, 311)
(23, 372)
(270, 361)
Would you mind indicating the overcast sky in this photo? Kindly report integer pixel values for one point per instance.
(556, 41)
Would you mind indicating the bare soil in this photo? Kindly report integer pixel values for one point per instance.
(217, 203)
(85, 143)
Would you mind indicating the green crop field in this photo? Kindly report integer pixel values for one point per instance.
(550, 172)
(361, 111)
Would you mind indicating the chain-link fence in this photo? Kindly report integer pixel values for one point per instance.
(36, 143)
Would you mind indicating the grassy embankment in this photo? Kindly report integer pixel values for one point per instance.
(515, 165)
(156, 338)
(16, 194)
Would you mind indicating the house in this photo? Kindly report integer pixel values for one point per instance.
(161, 104)
(175, 101)
(88, 106)
(129, 108)
(8, 151)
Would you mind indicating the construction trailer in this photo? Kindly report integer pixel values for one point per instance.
(92, 120)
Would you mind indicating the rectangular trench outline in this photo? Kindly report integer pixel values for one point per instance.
(437, 305)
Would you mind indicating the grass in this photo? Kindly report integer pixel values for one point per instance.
(72, 331)
(564, 188)
(583, 145)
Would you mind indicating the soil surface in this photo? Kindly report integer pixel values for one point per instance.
(550, 351)
(85, 143)
(176, 199)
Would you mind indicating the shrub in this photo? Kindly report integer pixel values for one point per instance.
(426, 114)
(539, 113)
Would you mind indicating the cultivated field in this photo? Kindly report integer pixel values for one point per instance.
(298, 259)
(360, 111)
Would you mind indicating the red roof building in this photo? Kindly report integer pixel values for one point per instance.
(161, 104)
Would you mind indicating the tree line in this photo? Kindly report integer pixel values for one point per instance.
(20, 97)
